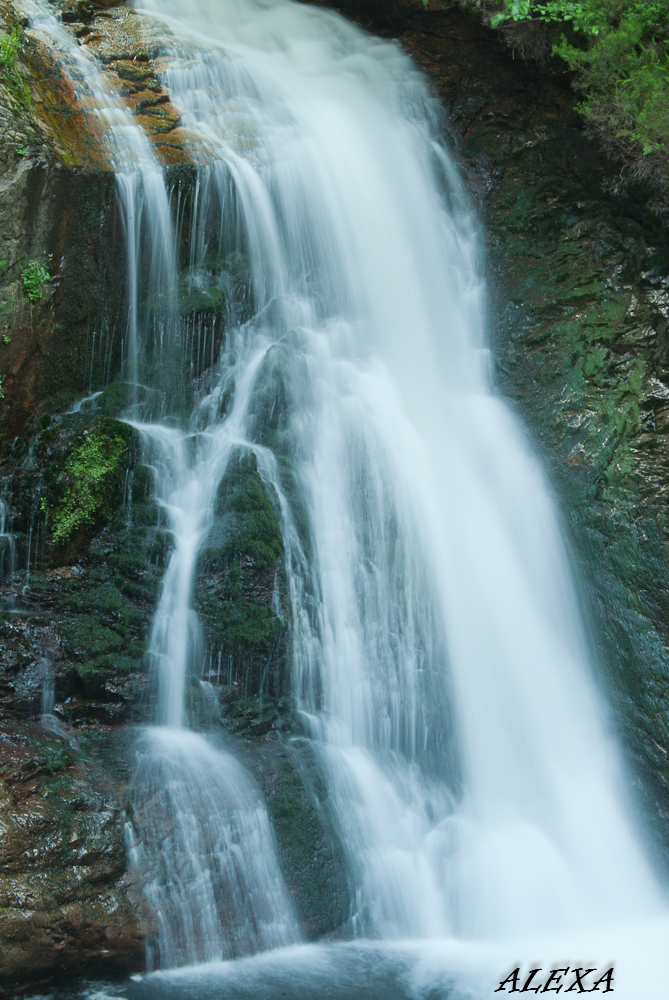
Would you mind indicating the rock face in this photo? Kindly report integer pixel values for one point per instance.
(58, 212)
(580, 313)
(64, 893)
(51, 221)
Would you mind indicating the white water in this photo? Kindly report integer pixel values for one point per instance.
(437, 652)
(200, 834)
(202, 841)
(443, 668)
(206, 853)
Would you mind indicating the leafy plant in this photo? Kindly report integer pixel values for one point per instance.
(582, 15)
(34, 277)
(619, 53)
(10, 46)
(86, 478)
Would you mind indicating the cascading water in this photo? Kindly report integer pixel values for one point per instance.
(206, 846)
(207, 853)
(441, 664)
(437, 655)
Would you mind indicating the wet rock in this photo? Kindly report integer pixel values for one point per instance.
(52, 217)
(311, 856)
(237, 597)
(64, 904)
(128, 45)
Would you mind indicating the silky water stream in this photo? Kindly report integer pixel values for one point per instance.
(437, 657)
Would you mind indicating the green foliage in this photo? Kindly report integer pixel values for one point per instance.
(34, 277)
(10, 46)
(583, 15)
(619, 52)
(87, 476)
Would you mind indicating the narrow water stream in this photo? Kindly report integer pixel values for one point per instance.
(436, 650)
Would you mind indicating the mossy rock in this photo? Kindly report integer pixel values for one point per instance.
(84, 481)
(252, 526)
(52, 756)
(84, 638)
(310, 852)
(96, 673)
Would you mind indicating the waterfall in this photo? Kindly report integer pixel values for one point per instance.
(200, 834)
(436, 649)
(437, 653)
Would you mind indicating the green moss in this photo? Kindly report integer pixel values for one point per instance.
(238, 623)
(254, 530)
(310, 852)
(236, 582)
(106, 667)
(84, 638)
(88, 484)
(115, 398)
(53, 757)
(58, 791)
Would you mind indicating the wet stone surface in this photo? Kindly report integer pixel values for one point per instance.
(128, 46)
(64, 895)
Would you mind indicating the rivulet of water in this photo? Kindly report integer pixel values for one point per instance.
(200, 834)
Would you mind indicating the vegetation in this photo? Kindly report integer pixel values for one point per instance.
(34, 277)
(10, 46)
(618, 51)
(85, 481)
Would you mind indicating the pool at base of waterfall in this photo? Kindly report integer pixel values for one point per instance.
(628, 960)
